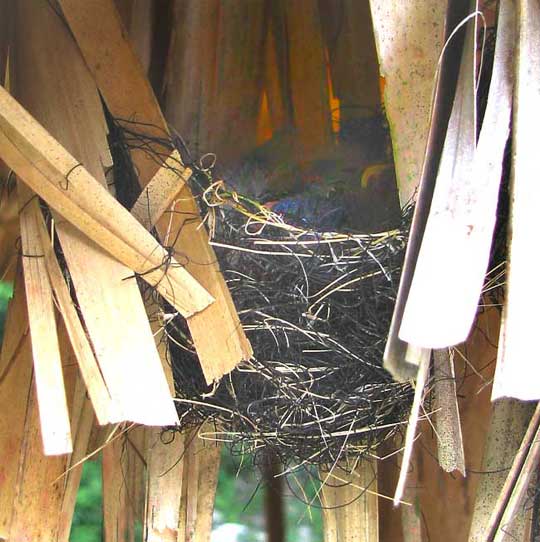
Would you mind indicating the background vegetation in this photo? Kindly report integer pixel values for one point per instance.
(239, 501)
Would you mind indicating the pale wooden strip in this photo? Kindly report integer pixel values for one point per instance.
(82, 422)
(447, 419)
(63, 95)
(138, 468)
(517, 367)
(361, 517)
(45, 497)
(51, 394)
(409, 39)
(97, 28)
(329, 511)
(15, 386)
(66, 185)
(509, 421)
(443, 503)
(464, 207)
(158, 195)
(190, 487)
(32, 506)
(74, 467)
(351, 501)
(369, 472)
(525, 468)
(209, 463)
(182, 534)
(106, 410)
(115, 499)
(38, 499)
(104, 43)
(401, 359)
(513, 475)
(164, 485)
(121, 461)
(421, 379)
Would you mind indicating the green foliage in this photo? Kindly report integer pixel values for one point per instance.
(301, 517)
(240, 499)
(87, 522)
(6, 291)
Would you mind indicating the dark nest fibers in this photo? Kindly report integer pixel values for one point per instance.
(316, 307)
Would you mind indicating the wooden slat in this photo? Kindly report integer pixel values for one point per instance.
(24, 144)
(42, 508)
(159, 194)
(6, 25)
(209, 463)
(140, 30)
(411, 516)
(443, 502)
(116, 519)
(360, 519)
(421, 380)
(328, 499)
(9, 228)
(447, 420)
(509, 421)
(276, 75)
(351, 504)
(63, 94)
(106, 409)
(354, 65)
(82, 422)
(138, 470)
(517, 369)
(38, 496)
(48, 376)
(164, 485)
(390, 518)
(191, 481)
(239, 72)
(400, 358)
(464, 206)
(15, 385)
(99, 33)
(521, 477)
(307, 63)
(190, 75)
(190, 488)
(409, 41)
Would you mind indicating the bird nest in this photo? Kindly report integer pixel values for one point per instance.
(316, 307)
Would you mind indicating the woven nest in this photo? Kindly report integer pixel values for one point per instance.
(316, 307)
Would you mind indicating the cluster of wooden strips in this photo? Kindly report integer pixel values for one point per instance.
(110, 340)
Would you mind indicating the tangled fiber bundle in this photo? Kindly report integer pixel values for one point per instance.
(316, 308)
